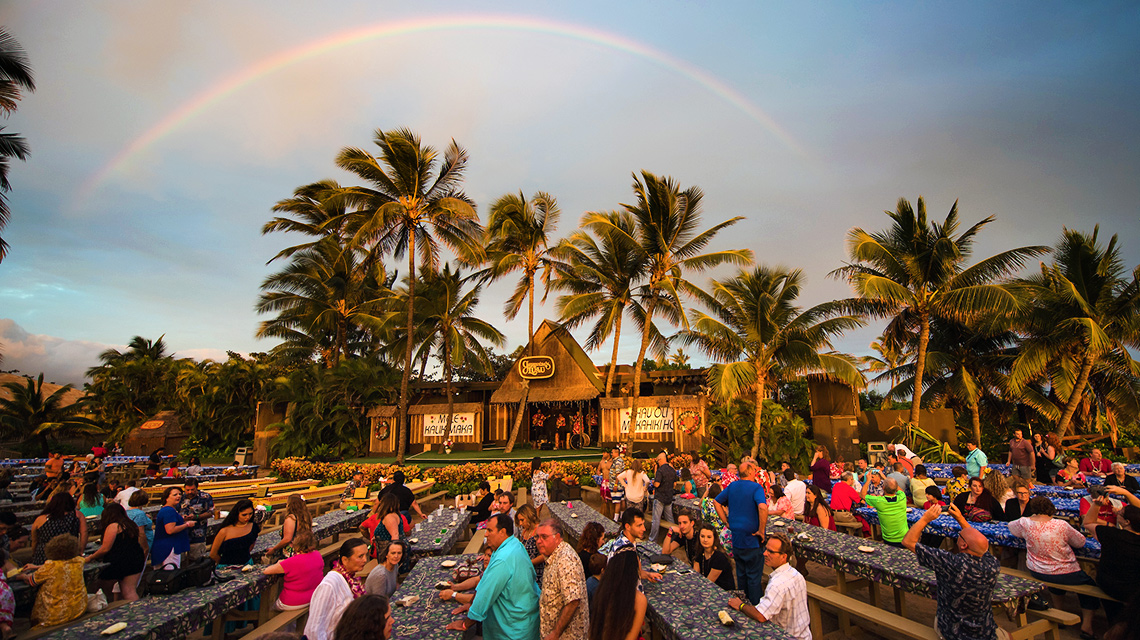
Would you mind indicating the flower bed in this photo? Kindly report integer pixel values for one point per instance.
(456, 479)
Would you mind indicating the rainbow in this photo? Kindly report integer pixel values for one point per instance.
(271, 64)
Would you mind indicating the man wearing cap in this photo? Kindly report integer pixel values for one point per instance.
(966, 580)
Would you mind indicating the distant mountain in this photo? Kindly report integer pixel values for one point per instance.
(71, 397)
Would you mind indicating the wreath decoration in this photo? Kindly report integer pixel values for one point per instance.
(384, 430)
(690, 421)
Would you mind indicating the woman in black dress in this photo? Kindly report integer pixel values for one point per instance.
(124, 551)
(712, 562)
(234, 541)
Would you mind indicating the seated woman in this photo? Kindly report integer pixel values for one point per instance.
(959, 484)
(7, 598)
(996, 484)
(303, 572)
(977, 504)
(593, 535)
(391, 527)
(297, 518)
(687, 484)
(234, 541)
(62, 596)
(621, 604)
(366, 618)
(782, 505)
(482, 509)
(918, 485)
(816, 509)
(1049, 544)
(1018, 506)
(91, 501)
(124, 550)
(336, 590)
(59, 517)
(173, 471)
(713, 562)
(382, 579)
(1071, 475)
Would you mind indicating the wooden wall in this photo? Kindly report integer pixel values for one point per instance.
(416, 439)
(677, 440)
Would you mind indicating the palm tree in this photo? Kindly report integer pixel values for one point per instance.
(1085, 314)
(519, 239)
(317, 211)
(326, 300)
(405, 210)
(668, 241)
(15, 73)
(754, 326)
(964, 364)
(31, 414)
(599, 276)
(893, 353)
(917, 270)
(461, 336)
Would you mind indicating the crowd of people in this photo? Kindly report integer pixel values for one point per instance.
(533, 583)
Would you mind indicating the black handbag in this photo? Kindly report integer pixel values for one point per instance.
(195, 573)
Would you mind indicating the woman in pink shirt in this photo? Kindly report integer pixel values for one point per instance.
(782, 506)
(303, 572)
(1049, 543)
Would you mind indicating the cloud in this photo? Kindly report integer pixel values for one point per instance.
(61, 361)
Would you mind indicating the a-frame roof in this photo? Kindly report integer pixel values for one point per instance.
(575, 376)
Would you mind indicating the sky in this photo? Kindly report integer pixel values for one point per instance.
(162, 134)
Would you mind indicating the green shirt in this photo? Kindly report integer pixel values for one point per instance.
(892, 515)
(506, 600)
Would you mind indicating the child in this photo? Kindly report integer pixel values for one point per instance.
(597, 567)
(7, 600)
(63, 595)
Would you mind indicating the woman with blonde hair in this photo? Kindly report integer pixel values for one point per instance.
(297, 519)
(635, 482)
(526, 521)
(998, 488)
(303, 571)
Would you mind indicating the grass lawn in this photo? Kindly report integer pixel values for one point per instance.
(437, 459)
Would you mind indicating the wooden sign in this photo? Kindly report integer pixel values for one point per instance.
(536, 367)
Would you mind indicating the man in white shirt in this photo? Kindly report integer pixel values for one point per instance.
(785, 599)
(123, 497)
(795, 490)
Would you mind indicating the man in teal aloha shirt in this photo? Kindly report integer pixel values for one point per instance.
(506, 600)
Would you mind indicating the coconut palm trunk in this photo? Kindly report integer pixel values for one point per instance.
(976, 421)
(530, 321)
(402, 409)
(1075, 396)
(447, 372)
(758, 423)
(645, 335)
(920, 366)
(612, 373)
(518, 418)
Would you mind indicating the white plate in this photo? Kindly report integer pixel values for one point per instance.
(573, 515)
(447, 563)
(866, 549)
(413, 540)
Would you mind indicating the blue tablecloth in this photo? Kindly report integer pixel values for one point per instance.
(996, 532)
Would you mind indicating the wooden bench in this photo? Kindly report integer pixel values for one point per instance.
(1050, 622)
(847, 607)
(1083, 589)
(850, 528)
(280, 621)
(475, 543)
(36, 632)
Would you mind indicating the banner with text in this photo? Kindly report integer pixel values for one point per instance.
(462, 424)
(649, 420)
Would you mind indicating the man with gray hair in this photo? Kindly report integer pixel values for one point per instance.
(563, 606)
(891, 507)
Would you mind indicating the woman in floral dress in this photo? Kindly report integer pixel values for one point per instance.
(538, 479)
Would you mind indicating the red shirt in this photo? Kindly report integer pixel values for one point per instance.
(1090, 466)
(843, 496)
(100, 452)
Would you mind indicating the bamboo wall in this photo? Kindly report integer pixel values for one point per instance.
(678, 440)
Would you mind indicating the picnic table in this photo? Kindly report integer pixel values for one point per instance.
(426, 619)
(439, 532)
(416, 488)
(575, 517)
(996, 532)
(178, 615)
(325, 525)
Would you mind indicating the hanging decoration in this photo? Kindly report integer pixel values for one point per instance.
(690, 421)
(383, 431)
